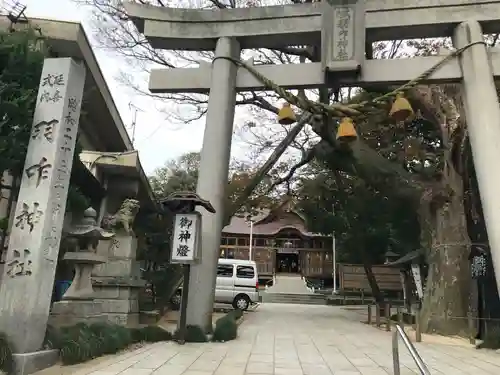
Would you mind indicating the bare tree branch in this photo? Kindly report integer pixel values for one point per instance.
(268, 165)
(115, 32)
(307, 158)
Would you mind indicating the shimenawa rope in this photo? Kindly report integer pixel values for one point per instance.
(342, 110)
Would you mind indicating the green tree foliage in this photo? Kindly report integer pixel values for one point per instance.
(263, 195)
(155, 231)
(177, 175)
(367, 222)
(21, 62)
(181, 174)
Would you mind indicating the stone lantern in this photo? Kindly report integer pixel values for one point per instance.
(78, 304)
(87, 234)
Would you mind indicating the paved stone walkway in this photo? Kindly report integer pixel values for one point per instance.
(295, 340)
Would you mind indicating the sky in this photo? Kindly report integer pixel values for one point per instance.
(156, 137)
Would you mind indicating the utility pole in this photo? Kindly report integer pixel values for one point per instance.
(250, 250)
(334, 260)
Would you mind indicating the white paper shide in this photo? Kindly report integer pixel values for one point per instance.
(185, 241)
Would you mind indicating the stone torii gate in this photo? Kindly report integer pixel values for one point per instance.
(340, 28)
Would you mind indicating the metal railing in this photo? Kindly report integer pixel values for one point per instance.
(413, 352)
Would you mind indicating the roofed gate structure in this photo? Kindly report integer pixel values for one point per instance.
(340, 29)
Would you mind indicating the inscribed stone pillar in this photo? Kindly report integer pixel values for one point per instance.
(26, 289)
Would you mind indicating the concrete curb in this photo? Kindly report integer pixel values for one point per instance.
(240, 320)
(254, 307)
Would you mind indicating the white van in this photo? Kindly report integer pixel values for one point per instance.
(237, 284)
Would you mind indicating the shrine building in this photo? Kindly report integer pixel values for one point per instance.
(281, 243)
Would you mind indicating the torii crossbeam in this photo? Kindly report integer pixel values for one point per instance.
(300, 24)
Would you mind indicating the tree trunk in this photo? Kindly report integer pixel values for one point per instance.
(443, 224)
(444, 234)
(445, 302)
(446, 296)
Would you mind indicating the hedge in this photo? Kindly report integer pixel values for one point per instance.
(226, 328)
(82, 342)
(193, 334)
(5, 354)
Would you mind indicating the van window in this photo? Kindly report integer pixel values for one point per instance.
(225, 270)
(245, 272)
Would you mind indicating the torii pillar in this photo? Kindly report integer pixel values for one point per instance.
(483, 125)
(212, 181)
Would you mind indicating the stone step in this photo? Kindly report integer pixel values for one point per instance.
(295, 302)
(294, 298)
(295, 295)
(308, 299)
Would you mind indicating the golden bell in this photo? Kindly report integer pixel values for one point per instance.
(346, 131)
(401, 109)
(286, 116)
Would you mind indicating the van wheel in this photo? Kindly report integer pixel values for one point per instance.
(241, 302)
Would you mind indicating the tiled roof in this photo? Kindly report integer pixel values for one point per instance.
(239, 225)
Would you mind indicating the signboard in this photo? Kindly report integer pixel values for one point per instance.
(286, 250)
(185, 241)
(353, 277)
(415, 270)
(478, 266)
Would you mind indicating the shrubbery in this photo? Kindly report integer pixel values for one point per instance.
(5, 354)
(226, 328)
(150, 334)
(236, 314)
(82, 342)
(193, 334)
(491, 339)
